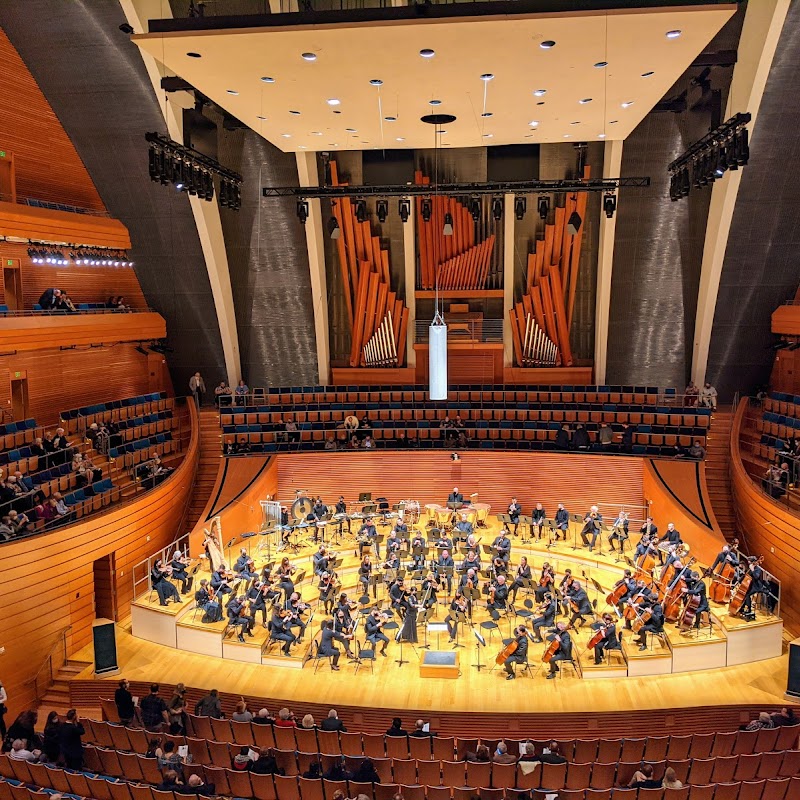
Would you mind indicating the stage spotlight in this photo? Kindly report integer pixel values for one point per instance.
(302, 211)
(497, 208)
(361, 210)
(574, 223)
(404, 209)
(382, 210)
(544, 207)
(427, 209)
(448, 225)
(520, 207)
(475, 208)
(609, 205)
(333, 228)
(743, 148)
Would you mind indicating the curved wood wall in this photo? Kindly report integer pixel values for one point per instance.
(577, 480)
(31, 131)
(769, 529)
(48, 580)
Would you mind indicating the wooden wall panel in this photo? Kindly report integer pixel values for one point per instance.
(30, 129)
(45, 592)
(576, 480)
(85, 284)
(59, 380)
(466, 363)
(768, 529)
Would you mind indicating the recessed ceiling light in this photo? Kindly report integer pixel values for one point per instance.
(441, 133)
(333, 101)
(351, 130)
(308, 56)
(575, 123)
(487, 76)
(391, 119)
(601, 136)
(333, 144)
(528, 135)
(194, 55)
(336, 112)
(647, 74)
(302, 147)
(400, 139)
(267, 79)
(231, 91)
(427, 53)
(627, 104)
(488, 135)
(486, 114)
(567, 135)
(260, 117)
(434, 102)
(376, 82)
(601, 64)
(613, 121)
(296, 113)
(673, 34)
(316, 133)
(364, 142)
(540, 103)
(547, 44)
(585, 101)
(534, 123)
(286, 135)
(539, 92)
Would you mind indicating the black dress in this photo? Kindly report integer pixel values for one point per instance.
(409, 630)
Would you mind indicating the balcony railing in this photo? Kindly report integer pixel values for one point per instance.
(464, 331)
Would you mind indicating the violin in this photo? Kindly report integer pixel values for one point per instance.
(507, 651)
(546, 579)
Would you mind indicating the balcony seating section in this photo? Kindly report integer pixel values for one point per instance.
(135, 451)
(114, 406)
(16, 436)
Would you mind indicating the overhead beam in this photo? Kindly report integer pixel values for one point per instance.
(763, 23)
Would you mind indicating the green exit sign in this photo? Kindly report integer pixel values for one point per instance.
(9, 262)
(2, 153)
(17, 374)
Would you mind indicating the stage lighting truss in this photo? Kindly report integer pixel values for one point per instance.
(707, 160)
(192, 172)
(94, 256)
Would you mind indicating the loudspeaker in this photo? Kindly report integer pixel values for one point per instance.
(793, 681)
(105, 647)
(574, 223)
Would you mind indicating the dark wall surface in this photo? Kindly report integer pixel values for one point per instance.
(762, 261)
(95, 80)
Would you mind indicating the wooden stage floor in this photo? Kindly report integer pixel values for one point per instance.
(392, 686)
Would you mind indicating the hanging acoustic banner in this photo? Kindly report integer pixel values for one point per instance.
(437, 359)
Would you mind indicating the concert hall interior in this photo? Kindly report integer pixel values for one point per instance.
(400, 400)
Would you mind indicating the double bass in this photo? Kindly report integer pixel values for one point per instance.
(645, 564)
(722, 580)
(689, 613)
(737, 600)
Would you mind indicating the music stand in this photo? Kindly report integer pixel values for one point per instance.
(399, 640)
(481, 642)
(438, 628)
(426, 615)
(551, 530)
(228, 547)
(578, 520)
(448, 574)
(461, 619)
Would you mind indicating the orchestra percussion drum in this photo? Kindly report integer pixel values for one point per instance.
(482, 510)
(430, 512)
(411, 511)
(443, 515)
(471, 512)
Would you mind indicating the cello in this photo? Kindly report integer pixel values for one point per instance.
(507, 651)
(617, 593)
(552, 649)
(642, 619)
(672, 598)
(689, 615)
(722, 581)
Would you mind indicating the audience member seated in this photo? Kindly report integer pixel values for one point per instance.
(65, 303)
(19, 523)
(785, 717)
(643, 778)
(221, 392)
(563, 438)
(50, 299)
(397, 728)
(480, 755)
(696, 451)
(502, 756)
(580, 439)
(265, 764)
(292, 431)
(775, 480)
(241, 391)
(330, 443)
(671, 779)
(764, 721)
(708, 397)
(690, 394)
(332, 722)
(170, 781)
(6, 532)
(19, 752)
(194, 785)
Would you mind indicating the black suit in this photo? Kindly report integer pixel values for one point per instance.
(519, 656)
(333, 724)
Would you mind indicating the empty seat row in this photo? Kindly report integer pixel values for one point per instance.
(140, 444)
(99, 408)
(80, 495)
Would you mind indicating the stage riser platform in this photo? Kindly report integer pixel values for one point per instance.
(154, 626)
(693, 657)
(204, 643)
(754, 643)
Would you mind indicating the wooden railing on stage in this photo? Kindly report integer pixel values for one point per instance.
(768, 528)
(69, 330)
(552, 280)
(461, 262)
(59, 589)
(367, 283)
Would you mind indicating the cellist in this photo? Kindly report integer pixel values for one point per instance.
(654, 625)
(520, 654)
(610, 640)
(757, 586)
(564, 649)
(547, 617)
(696, 588)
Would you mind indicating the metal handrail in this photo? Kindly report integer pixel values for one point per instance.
(52, 205)
(61, 639)
(51, 312)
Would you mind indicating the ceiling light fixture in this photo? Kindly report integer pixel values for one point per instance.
(585, 101)
(609, 205)
(673, 34)
(296, 113)
(404, 209)
(316, 133)
(497, 208)
(434, 102)
(426, 209)
(333, 101)
(361, 210)
(427, 53)
(376, 82)
(534, 123)
(547, 44)
(447, 230)
(286, 135)
(539, 92)
(627, 103)
(334, 231)
(601, 136)
(194, 55)
(487, 76)
(647, 74)
(308, 56)
(231, 91)
(260, 117)
(487, 114)
(520, 206)
(601, 64)
(475, 208)
(390, 119)
(382, 210)
(268, 80)
(488, 135)
(544, 207)
(302, 211)
(351, 130)
(400, 139)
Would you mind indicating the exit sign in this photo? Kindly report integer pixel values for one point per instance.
(9, 262)
(2, 153)
(17, 374)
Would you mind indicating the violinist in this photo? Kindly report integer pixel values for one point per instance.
(464, 528)
(520, 654)
(286, 568)
(296, 607)
(342, 622)
(257, 599)
(654, 625)
(365, 573)
(514, 510)
(327, 589)
(502, 546)
(244, 565)
(441, 565)
(159, 580)
(472, 561)
(696, 587)
(346, 607)
(320, 561)
(326, 647)
(564, 651)
(397, 597)
(547, 616)
(538, 517)
(373, 628)
(619, 531)
(563, 589)
(546, 581)
(238, 616)
(593, 523)
(499, 567)
(498, 594)
(219, 580)
(562, 522)
(522, 578)
(280, 631)
(579, 603)
(469, 580)
(179, 564)
(460, 605)
(212, 611)
(610, 640)
(430, 585)
(369, 533)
